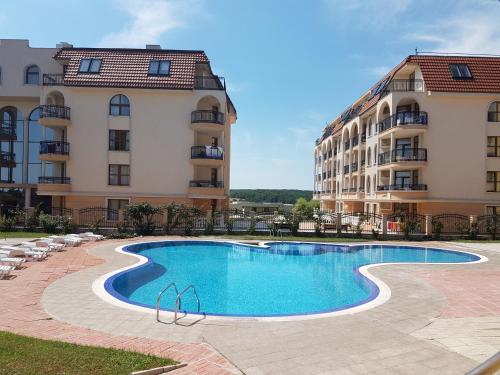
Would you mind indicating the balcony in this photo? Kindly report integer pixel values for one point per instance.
(8, 132)
(403, 119)
(53, 79)
(207, 155)
(206, 189)
(52, 185)
(401, 85)
(347, 145)
(403, 187)
(55, 116)
(354, 167)
(363, 138)
(355, 141)
(346, 169)
(54, 150)
(324, 175)
(207, 119)
(7, 159)
(208, 83)
(406, 156)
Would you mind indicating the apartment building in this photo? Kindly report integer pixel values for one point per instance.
(88, 127)
(424, 139)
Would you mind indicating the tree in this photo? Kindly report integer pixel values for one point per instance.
(304, 208)
(141, 216)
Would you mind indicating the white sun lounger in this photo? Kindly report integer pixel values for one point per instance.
(5, 271)
(42, 245)
(67, 240)
(14, 262)
(20, 252)
(92, 236)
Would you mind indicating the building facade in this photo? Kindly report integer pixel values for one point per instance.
(425, 139)
(88, 127)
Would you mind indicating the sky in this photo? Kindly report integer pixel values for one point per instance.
(290, 66)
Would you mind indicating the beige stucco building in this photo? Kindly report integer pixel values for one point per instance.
(88, 127)
(425, 139)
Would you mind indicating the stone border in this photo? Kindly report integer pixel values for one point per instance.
(384, 292)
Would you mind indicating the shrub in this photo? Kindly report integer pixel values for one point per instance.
(437, 227)
(473, 230)
(66, 224)
(48, 223)
(141, 217)
(7, 223)
(33, 219)
(375, 233)
(492, 225)
(253, 224)
(228, 223)
(96, 225)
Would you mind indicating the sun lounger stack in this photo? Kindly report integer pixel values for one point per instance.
(16, 251)
(5, 271)
(5, 260)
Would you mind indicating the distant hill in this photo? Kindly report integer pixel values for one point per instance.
(271, 195)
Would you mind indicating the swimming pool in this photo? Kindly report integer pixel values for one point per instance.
(280, 279)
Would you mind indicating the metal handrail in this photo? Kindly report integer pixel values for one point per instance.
(488, 367)
(178, 300)
(159, 298)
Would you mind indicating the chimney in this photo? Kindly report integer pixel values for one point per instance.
(153, 46)
(64, 45)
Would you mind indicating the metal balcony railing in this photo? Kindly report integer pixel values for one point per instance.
(403, 187)
(403, 118)
(54, 147)
(53, 180)
(55, 111)
(53, 79)
(402, 155)
(208, 117)
(206, 184)
(207, 152)
(209, 83)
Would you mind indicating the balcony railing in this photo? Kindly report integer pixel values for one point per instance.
(8, 130)
(324, 175)
(7, 157)
(355, 140)
(206, 184)
(208, 83)
(54, 147)
(350, 190)
(330, 154)
(208, 116)
(354, 167)
(406, 85)
(403, 118)
(403, 154)
(346, 169)
(53, 79)
(53, 180)
(403, 187)
(347, 145)
(329, 174)
(207, 152)
(55, 111)
(363, 138)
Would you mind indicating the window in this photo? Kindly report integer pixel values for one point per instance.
(494, 112)
(493, 147)
(492, 181)
(159, 67)
(32, 75)
(493, 210)
(119, 174)
(119, 105)
(119, 140)
(460, 71)
(90, 66)
(114, 205)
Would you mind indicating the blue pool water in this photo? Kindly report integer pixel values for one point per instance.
(284, 279)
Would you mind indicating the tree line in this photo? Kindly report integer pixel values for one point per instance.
(271, 195)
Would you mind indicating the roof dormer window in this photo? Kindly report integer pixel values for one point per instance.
(90, 66)
(460, 71)
(159, 68)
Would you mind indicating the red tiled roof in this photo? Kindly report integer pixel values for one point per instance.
(129, 67)
(437, 76)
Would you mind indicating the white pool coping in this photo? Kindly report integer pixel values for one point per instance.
(98, 286)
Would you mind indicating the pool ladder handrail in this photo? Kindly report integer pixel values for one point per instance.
(178, 300)
(159, 298)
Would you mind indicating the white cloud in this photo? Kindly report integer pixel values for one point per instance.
(150, 19)
(467, 30)
(360, 12)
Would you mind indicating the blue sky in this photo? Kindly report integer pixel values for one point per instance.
(291, 66)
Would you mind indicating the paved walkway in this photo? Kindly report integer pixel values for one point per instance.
(411, 333)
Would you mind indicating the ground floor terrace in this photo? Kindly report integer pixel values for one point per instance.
(439, 319)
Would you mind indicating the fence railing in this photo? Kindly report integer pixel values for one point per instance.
(207, 116)
(55, 111)
(54, 147)
(53, 79)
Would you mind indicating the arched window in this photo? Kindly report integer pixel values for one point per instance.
(494, 112)
(119, 106)
(32, 76)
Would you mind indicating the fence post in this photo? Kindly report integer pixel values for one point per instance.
(338, 222)
(384, 224)
(428, 225)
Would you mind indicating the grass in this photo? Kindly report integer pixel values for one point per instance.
(22, 234)
(21, 355)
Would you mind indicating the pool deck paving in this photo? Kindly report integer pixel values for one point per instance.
(440, 319)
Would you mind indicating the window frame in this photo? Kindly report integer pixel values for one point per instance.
(28, 73)
(114, 141)
(461, 75)
(91, 61)
(120, 175)
(122, 107)
(157, 71)
(495, 146)
(494, 115)
(495, 181)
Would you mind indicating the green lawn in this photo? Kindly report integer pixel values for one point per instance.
(21, 355)
(22, 234)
